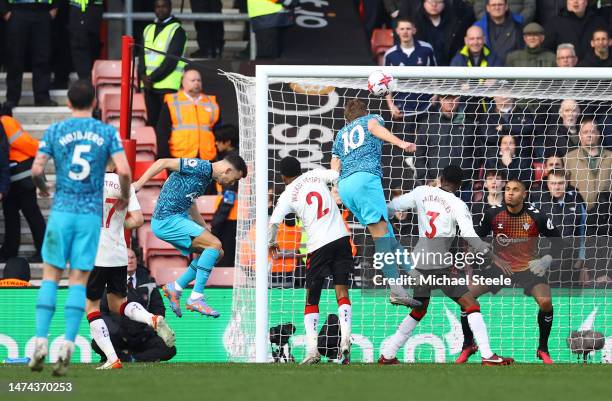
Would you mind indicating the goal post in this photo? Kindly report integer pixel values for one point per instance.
(251, 323)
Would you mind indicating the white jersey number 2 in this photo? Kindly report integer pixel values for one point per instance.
(320, 211)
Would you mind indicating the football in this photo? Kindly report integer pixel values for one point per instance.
(380, 83)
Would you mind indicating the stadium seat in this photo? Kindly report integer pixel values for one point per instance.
(108, 72)
(142, 166)
(221, 277)
(207, 206)
(156, 247)
(382, 40)
(146, 140)
(111, 108)
(166, 269)
(147, 197)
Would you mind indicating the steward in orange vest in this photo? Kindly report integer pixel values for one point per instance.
(185, 125)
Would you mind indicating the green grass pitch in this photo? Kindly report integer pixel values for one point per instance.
(249, 382)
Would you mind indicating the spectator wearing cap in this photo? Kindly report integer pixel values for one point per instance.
(566, 55)
(16, 273)
(600, 54)
(502, 28)
(524, 8)
(533, 55)
(575, 24)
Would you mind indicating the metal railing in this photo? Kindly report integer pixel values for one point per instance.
(128, 17)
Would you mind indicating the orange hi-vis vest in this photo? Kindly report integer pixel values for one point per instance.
(21, 145)
(192, 125)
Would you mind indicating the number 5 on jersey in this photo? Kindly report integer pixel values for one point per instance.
(80, 161)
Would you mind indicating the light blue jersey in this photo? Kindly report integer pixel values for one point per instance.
(183, 187)
(357, 148)
(80, 148)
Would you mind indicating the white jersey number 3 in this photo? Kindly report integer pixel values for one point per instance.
(349, 138)
(78, 160)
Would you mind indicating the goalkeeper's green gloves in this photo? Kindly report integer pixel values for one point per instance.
(539, 266)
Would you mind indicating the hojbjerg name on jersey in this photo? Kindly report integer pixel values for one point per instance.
(81, 136)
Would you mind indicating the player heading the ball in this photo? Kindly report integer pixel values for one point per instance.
(329, 247)
(356, 155)
(176, 220)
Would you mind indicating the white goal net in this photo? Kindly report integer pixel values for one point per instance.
(554, 134)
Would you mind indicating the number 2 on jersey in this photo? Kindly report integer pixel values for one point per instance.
(320, 211)
(432, 218)
(112, 201)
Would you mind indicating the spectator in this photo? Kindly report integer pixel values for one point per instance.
(209, 33)
(408, 52)
(224, 221)
(186, 121)
(444, 139)
(566, 55)
(159, 74)
(551, 163)
(509, 162)
(547, 10)
(574, 24)
(85, 23)
(28, 26)
(566, 208)
(492, 195)
(533, 55)
(505, 118)
(22, 192)
(525, 8)
(16, 273)
(562, 136)
(600, 55)
(134, 341)
(590, 170)
(269, 20)
(475, 53)
(502, 29)
(443, 24)
(61, 58)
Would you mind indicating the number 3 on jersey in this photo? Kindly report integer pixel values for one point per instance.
(79, 161)
(432, 218)
(319, 198)
(349, 140)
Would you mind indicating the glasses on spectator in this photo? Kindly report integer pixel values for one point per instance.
(566, 57)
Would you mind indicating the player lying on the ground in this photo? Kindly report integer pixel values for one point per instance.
(110, 271)
(176, 220)
(81, 146)
(356, 155)
(329, 247)
(516, 227)
(439, 212)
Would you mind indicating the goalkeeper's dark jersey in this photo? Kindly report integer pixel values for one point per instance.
(515, 236)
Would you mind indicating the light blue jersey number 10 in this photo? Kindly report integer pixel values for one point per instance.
(349, 140)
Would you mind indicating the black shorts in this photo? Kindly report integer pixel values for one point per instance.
(334, 259)
(113, 279)
(452, 282)
(524, 279)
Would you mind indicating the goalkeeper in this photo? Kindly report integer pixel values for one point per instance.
(329, 247)
(516, 227)
(356, 155)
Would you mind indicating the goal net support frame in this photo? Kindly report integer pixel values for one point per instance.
(268, 73)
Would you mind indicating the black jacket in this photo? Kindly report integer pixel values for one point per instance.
(556, 141)
(591, 60)
(5, 174)
(568, 214)
(175, 50)
(447, 38)
(568, 28)
(442, 141)
(146, 294)
(518, 122)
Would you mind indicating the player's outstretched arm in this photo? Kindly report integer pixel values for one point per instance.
(125, 178)
(282, 209)
(134, 220)
(336, 164)
(401, 203)
(156, 168)
(466, 229)
(38, 173)
(384, 134)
